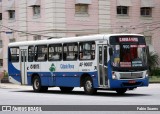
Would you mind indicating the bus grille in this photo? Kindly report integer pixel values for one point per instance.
(131, 75)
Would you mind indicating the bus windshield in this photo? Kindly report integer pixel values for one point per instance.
(129, 54)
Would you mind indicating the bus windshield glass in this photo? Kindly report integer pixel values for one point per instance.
(129, 52)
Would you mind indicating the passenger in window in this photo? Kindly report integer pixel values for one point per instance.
(80, 55)
(64, 56)
(75, 56)
(93, 55)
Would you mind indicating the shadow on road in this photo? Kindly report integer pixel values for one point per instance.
(99, 93)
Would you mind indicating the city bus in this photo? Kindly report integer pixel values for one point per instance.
(116, 62)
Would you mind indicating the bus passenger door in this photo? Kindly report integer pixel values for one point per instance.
(102, 67)
(23, 66)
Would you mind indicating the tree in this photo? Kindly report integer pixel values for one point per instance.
(153, 61)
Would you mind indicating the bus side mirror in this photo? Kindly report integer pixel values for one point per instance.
(147, 51)
(110, 51)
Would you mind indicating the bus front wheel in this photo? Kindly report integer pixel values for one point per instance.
(37, 87)
(88, 86)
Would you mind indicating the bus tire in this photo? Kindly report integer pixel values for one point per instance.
(37, 87)
(66, 89)
(121, 91)
(88, 86)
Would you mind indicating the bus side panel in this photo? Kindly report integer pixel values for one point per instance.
(94, 76)
(14, 73)
(72, 79)
(68, 81)
(45, 77)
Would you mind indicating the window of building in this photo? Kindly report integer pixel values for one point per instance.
(14, 54)
(0, 16)
(122, 10)
(70, 51)
(11, 14)
(81, 8)
(12, 40)
(30, 53)
(146, 11)
(1, 44)
(38, 37)
(148, 40)
(36, 10)
(41, 53)
(55, 52)
(1, 62)
(87, 50)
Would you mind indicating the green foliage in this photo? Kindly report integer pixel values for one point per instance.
(5, 74)
(156, 72)
(153, 62)
(154, 79)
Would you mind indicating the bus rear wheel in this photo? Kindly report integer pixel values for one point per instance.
(66, 89)
(37, 87)
(88, 86)
(121, 91)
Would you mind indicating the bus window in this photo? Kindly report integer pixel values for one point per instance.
(70, 51)
(87, 50)
(41, 53)
(55, 52)
(30, 53)
(14, 54)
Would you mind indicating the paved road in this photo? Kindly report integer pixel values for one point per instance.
(23, 95)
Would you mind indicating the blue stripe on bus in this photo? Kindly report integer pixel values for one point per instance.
(14, 73)
(68, 79)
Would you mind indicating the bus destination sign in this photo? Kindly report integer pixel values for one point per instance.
(128, 39)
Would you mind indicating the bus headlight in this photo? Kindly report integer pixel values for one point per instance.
(114, 75)
(147, 74)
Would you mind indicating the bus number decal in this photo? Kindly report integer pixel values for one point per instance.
(34, 66)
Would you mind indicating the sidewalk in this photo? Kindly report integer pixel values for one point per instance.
(13, 86)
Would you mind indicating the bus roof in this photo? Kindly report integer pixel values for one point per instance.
(68, 39)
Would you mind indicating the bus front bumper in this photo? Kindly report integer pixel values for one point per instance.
(129, 83)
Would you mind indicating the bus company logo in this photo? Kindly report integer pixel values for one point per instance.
(66, 66)
(52, 68)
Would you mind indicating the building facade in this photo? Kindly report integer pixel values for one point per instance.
(23, 20)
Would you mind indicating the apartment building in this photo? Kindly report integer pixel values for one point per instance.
(23, 20)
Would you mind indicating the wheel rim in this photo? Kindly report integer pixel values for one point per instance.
(88, 85)
(36, 84)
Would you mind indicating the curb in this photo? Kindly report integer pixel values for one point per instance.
(5, 80)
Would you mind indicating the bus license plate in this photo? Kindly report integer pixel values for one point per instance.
(131, 81)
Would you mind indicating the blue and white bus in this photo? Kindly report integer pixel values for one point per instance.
(110, 62)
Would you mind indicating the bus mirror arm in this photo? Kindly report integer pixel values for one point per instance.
(147, 51)
(110, 51)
